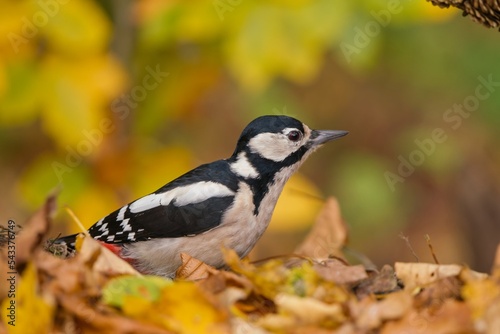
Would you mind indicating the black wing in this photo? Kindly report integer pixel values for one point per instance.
(175, 218)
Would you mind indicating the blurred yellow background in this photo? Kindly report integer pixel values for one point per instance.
(109, 100)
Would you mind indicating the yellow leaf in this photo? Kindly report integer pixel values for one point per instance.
(33, 311)
(77, 27)
(159, 168)
(75, 99)
(182, 308)
(480, 294)
(297, 206)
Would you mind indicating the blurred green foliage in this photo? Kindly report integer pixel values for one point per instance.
(112, 99)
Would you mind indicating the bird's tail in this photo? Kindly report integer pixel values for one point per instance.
(66, 246)
(62, 246)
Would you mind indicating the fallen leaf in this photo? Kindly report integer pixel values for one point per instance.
(480, 294)
(377, 283)
(328, 235)
(416, 275)
(370, 314)
(90, 320)
(452, 317)
(193, 269)
(102, 259)
(433, 294)
(32, 311)
(34, 232)
(144, 287)
(310, 311)
(336, 271)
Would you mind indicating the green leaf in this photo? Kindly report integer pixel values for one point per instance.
(145, 287)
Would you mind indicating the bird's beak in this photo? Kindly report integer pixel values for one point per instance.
(319, 137)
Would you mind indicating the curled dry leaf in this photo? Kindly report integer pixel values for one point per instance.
(452, 317)
(15, 255)
(193, 269)
(416, 275)
(34, 232)
(377, 283)
(102, 259)
(328, 235)
(308, 311)
(370, 314)
(336, 271)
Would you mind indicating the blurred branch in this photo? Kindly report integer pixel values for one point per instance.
(486, 12)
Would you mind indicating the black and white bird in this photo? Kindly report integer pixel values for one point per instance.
(224, 203)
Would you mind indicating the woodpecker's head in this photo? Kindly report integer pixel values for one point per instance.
(270, 143)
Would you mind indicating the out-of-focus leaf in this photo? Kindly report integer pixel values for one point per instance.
(147, 288)
(154, 167)
(79, 27)
(33, 311)
(41, 176)
(370, 315)
(328, 235)
(416, 275)
(19, 92)
(98, 197)
(356, 177)
(296, 311)
(276, 40)
(75, 99)
(480, 294)
(181, 308)
(100, 258)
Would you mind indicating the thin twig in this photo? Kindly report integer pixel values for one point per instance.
(428, 239)
(408, 244)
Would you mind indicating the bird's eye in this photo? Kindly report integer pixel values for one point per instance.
(294, 135)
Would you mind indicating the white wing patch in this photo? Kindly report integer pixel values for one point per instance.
(190, 194)
(121, 213)
(243, 167)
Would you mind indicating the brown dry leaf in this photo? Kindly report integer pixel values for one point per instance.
(381, 282)
(328, 235)
(451, 317)
(370, 314)
(221, 280)
(24, 244)
(34, 232)
(433, 294)
(336, 271)
(102, 259)
(416, 275)
(193, 269)
(91, 320)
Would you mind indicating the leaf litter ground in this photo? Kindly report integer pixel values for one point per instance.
(313, 290)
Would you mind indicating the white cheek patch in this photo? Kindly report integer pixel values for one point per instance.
(272, 146)
(190, 194)
(243, 167)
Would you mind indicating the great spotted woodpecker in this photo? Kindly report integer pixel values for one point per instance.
(224, 203)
